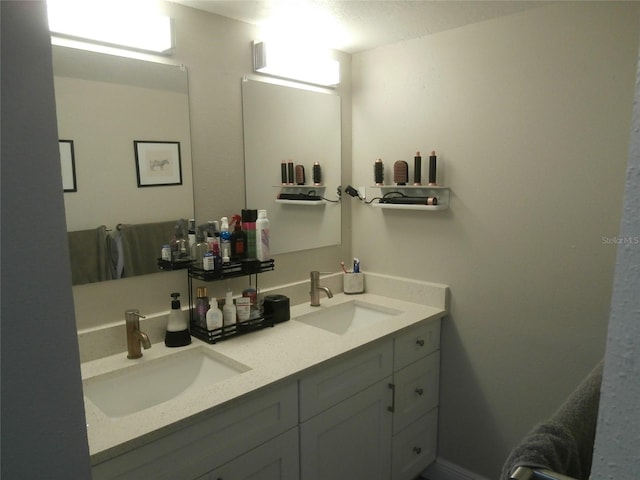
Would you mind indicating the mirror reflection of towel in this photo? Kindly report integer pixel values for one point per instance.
(93, 256)
(142, 245)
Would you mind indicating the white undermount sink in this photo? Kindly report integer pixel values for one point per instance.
(149, 383)
(347, 317)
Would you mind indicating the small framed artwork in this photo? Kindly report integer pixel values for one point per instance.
(158, 163)
(68, 164)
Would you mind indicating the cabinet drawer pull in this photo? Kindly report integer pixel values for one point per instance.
(418, 450)
(392, 408)
(420, 342)
(419, 391)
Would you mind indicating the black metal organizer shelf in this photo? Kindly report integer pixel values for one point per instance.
(230, 270)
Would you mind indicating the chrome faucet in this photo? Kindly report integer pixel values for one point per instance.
(135, 336)
(315, 289)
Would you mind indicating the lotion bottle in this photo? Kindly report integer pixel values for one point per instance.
(214, 315)
(229, 310)
(177, 329)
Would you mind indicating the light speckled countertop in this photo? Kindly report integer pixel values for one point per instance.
(272, 355)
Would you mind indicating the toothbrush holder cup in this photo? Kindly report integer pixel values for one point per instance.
(353, 283)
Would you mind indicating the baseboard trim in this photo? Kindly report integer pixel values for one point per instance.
(444, 470)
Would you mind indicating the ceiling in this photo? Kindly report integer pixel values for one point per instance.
(356, 25)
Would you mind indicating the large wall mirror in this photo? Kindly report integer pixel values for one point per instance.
(302, 126)
(125, 123)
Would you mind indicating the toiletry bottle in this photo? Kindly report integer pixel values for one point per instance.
(249, 218)
(238, 240)
(201, 248)
(229, 310)
(166, 252)
(252, 293)
(192, 235)
(213, 235)
(177, 329)
(214, 315)
(225, 240)
(217, 259)
(262, 236)
(179, 245)
(208, 261)
(202, 305)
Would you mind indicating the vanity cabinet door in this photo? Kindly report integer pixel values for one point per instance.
(275, 460)
(351, 440)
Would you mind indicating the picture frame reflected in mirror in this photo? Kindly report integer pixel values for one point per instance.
(158, 163)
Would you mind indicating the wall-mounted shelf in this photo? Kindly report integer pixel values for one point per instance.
(311, 190)
(441, 193)
(300, 202)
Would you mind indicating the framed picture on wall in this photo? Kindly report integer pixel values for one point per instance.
(158, 163)
(68, 164)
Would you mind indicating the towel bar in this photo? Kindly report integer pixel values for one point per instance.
(526, 473)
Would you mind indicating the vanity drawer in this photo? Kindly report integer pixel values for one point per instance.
(210, 441)
(344, 378)
(416, 390)
(414, 449)
(416, 343)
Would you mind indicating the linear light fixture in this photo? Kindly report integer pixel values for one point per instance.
(291, 61)
(114, 23)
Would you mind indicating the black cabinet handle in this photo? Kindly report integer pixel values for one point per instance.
(420, 342)
(418, 450)
(392, 407)
(419, 391)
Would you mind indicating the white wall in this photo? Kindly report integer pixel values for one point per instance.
(530, 117)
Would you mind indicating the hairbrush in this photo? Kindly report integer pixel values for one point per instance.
(300, 178)
(400, 172)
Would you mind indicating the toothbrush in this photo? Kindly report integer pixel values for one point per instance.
(343, 267)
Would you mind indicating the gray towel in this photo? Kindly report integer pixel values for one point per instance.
(564, 443)
(142, 246)
(93, 256)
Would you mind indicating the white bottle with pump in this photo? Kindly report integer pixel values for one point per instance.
(262, 236)
(177, 329)
(229, 310)
(214, 315)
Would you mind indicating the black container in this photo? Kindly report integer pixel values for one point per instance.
(276, 308)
